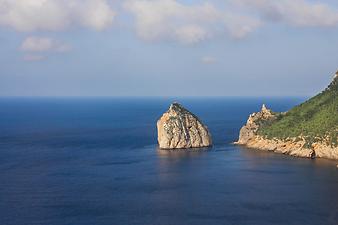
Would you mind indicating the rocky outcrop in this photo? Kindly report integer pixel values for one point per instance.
(291, 146)
(178, 128)
(294, 147)
(255, 120)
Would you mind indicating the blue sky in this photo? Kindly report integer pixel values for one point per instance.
(167, 47)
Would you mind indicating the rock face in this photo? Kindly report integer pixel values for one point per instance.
(293, 146)
(255, 120)
(178, 128)
(307, 130)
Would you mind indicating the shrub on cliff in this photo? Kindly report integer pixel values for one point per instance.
(315, 118)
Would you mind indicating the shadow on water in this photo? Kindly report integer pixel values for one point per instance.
(182, 153)
(267, 155)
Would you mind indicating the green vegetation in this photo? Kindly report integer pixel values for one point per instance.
(315, 119)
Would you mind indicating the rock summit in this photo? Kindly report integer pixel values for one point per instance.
(180, 129)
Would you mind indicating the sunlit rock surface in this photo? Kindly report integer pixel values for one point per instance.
(178, 129)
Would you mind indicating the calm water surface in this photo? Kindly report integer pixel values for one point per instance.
(95, 162)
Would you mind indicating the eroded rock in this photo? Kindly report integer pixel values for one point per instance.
(254, 121)
(178, 128)
(296, 146)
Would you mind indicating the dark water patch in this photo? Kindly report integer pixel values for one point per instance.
(128, 162)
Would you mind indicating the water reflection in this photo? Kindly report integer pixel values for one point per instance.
(171, 163)
(181, 153)
(248, 153)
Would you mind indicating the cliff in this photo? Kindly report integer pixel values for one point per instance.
(307, 130)
(178, 128)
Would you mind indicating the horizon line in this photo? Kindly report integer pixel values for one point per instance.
(152, 96)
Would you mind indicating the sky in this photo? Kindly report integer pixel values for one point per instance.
(167, 47)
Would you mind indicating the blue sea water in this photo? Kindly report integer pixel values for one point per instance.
(95, 161)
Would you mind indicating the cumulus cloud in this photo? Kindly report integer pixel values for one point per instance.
(37, 48)
(96, 14)
(34, 57)
(299, 13)
(54, 15)
(43, 44)
(170, 20)
(208, 60)
(186, 23)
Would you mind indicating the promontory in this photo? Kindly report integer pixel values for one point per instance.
(307, 130)
(180, 129)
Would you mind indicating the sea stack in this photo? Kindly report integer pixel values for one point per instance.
(180, 129)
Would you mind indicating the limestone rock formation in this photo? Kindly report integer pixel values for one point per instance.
(178, 128)
(324, 146)
(248, 136)
(255, 120)
(307, 130)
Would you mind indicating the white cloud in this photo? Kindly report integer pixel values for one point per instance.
(34, 57)
(208, 60)
(43, 44)
(170, 20)
(188, 24)
(96, 14)
(299, 13)
(54, 15)
(191, 34)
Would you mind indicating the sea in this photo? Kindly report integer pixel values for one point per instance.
(95, 161)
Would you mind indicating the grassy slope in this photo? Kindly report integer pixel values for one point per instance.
(313, 119)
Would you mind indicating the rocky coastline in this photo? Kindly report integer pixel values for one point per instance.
(297, 146)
